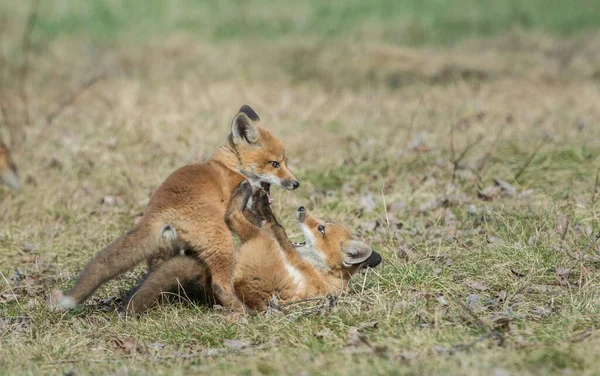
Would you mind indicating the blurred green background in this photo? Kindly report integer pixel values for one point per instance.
(412, 22)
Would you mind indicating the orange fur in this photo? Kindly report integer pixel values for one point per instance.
(193, 200)
(268, 264)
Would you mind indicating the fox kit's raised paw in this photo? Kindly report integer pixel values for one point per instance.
(262, 207)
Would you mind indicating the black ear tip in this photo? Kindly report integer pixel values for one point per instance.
(252, 115)
(374, 259)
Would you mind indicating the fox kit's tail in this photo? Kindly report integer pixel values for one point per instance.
(118, 257)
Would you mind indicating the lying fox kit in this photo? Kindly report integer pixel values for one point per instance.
(268, 264)
(8, 169)
(193, 201)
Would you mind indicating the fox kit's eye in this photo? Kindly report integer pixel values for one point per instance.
(274, 164)
(321, 229)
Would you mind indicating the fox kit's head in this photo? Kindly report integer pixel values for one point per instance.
(8, 170)
(332, 249)
(261, 155)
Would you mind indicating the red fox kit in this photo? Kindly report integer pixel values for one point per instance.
(267, 263)
(8, 169)
(193, 200)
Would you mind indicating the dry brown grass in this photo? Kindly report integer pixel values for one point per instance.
(359, 120)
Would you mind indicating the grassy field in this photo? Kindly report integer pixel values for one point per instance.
(460, 139)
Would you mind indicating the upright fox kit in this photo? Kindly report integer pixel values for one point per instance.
(8, 169)
(267, 262)
(193, 200)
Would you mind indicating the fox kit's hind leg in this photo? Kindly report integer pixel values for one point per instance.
(169, 276)
(120, 256)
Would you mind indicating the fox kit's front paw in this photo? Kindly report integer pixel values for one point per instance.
(261, 206)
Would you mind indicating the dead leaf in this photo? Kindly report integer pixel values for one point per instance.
(541, 311)
(124, 346)
(28, 259)
(505, 187)
(354, 337)
(367, 201)
(489, 193)
(396, 206)
(29, 247)
(54, 297)
(236, 344)
(370, 226)
(476, 285)
(473, 301)
(501, 296)
(112, 201)
(323, 334)
(367, 325)
(430, 205)
(562, 276)
(7, 297)
(407, 252)
(517, 273)
(545, 289)
(55, 163)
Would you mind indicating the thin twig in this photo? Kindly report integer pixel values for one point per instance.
(25, 52)
(463, 154)
(68, 101)
(581, 255)
(461, 243)
(537, 149)
(564, 234)
(494, 333)
(490, 151)
(595, 194)
(413, 119)
(6, 119)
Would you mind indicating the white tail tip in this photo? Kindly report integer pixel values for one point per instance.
(61, 302)
(65, 303)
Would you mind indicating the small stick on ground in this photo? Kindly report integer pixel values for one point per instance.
(462, 244)
(412, 120)
(482, 325)
(25, 52)
(564, 234)
(595, 194)
(456, 161)
(592, 243)
(537, 149)
(68, 101)
(6, 118)
(490, 152)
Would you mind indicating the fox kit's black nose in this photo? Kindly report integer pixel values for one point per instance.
(301, 209)
(295, 184)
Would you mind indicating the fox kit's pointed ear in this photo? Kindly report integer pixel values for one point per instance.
(243, 127)
(355, 252)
